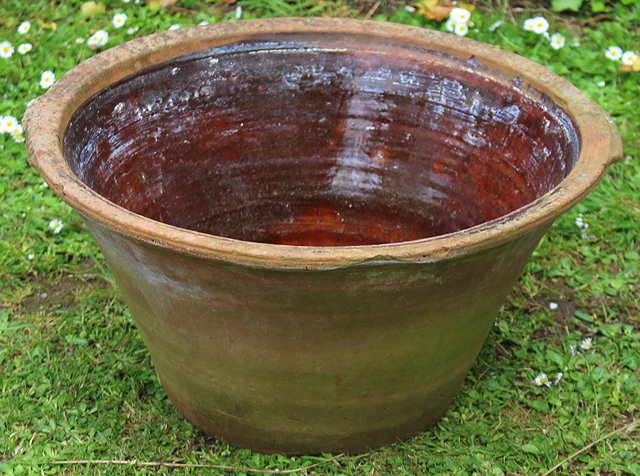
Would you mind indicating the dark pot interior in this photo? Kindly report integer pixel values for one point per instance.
(319, 141)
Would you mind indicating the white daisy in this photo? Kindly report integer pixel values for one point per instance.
(23, 29)
(31, 256)
(557, 41)
(47, 79)
(15, 131)
(98, 39)
(538, 25)
(203, 23)
(25, 48)
(79, 41)
(174, 27)
(553, 306)
(601, 84)
(528, 24)
(132, 30)
(581, 222)
(461, 29)
(7, 123)
(450, 25)
(18, 138)
(629, 57)
(614, 53)
(6, 50)
(410, 8)
(586, 344)
(542, 379)
(56, 225)
(460, 15)
(119, 20)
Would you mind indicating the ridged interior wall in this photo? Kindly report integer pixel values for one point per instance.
(319, 141)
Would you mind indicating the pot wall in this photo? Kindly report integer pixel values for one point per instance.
(309, 361)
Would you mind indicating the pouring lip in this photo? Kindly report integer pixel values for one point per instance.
(46, 120)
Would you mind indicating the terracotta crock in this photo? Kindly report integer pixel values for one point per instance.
(314, 222)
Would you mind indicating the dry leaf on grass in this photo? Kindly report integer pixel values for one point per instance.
(91, 9)
(48, 26)
(632, 68)
(433, 10)
(439, 10)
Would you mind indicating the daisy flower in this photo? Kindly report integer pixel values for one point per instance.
(98, 39)
(628, 58)
(538, 25)
(132, 30)
(79, 41)
(16, 131)
(601, 84)
(450, 25)
(581, 222)
(553, 306)
(614, 53)
(174, 27)
(461, 29)
(119, 19)
(542, 379)
(8, 123)
(586, 344)
(24, 48)
(6, 50)
(47, 79)
(18, 138)
(23, 28)
(56, 225)
(557, 41)
(203, 23)
(573, 349)
(460, 15)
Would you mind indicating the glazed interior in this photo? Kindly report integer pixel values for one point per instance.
(321, 141)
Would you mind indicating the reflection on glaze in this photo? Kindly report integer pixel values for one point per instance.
(313, 143)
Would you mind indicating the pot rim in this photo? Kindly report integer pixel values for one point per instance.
(46, 120)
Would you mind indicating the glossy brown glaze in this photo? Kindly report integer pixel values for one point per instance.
(309, 141)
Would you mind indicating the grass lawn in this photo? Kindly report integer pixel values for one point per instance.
(76, 382)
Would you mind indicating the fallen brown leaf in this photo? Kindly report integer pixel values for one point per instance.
(632, 68)
(433, 10)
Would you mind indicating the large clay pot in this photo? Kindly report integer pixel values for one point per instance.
(314, 222)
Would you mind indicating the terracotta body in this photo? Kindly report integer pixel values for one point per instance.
(314, 226)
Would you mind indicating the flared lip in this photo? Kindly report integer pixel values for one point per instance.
(46, 120)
